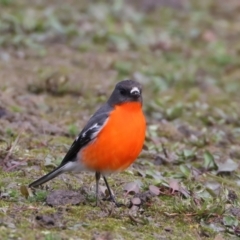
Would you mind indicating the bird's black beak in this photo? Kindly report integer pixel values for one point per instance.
(135, 93)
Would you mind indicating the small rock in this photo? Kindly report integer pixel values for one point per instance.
(64, 197)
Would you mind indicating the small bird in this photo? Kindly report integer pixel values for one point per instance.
(111, 140)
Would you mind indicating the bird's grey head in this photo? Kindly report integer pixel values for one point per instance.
(126, 91)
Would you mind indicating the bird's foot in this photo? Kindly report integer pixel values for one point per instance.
(111, 198)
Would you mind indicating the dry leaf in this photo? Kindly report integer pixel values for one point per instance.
(131, 188)
(136, 201)
(228, 166)
(154, 190)
(24, 191)
(174, 185)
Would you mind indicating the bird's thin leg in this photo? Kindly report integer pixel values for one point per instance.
(97, 176)
(110, 192)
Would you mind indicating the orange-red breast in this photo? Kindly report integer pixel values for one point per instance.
(111, 140)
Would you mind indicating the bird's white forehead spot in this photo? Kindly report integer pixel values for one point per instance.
(135, 89)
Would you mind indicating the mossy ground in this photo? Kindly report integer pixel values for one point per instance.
(59, 62)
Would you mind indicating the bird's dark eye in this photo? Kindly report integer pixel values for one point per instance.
(123, 92)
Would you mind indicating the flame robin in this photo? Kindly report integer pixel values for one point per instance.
(111, 140)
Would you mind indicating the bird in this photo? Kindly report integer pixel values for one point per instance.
(111, 140)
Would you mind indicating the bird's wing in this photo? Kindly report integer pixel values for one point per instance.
(88, 134)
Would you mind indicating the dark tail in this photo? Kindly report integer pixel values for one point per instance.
(57, 171)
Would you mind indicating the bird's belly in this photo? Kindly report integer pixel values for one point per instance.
(120, 141)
